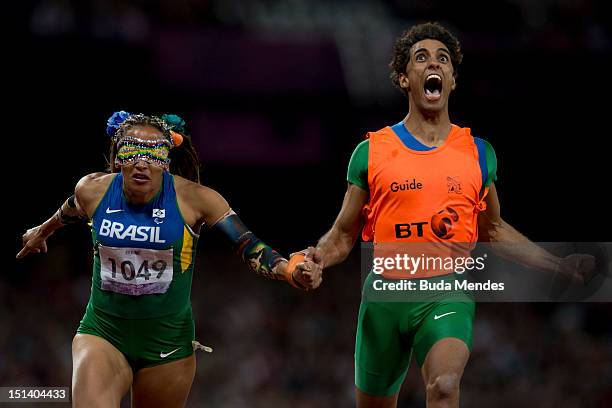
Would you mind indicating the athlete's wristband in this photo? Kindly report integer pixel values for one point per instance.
(290, 269)
(261, 259)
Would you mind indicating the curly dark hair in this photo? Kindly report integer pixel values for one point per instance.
(403, 43)
(184, 160)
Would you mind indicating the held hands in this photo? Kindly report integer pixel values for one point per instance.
(34, 241)
(308, 273)
(579, 268)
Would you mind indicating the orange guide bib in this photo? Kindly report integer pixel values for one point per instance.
(429, 196)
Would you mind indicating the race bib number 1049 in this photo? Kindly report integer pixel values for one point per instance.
(135, 271)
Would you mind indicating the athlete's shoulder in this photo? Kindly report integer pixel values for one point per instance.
(362, 147)
(99, 175)
(385, 131)
(487, 159)
(185, 187)
(467, 132)
(202, 199)
(91, 188)
(94, 182)
(486, 146)
(357, 172)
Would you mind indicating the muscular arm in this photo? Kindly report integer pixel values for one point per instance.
(336, 244)
(69, 213)
(261, 259)
(204, 206)
(508, 242)
(77, 208)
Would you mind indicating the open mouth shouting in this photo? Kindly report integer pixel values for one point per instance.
(433, 87)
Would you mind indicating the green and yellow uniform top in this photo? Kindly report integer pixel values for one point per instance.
(143, 254)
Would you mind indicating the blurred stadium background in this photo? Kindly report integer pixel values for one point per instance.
(276, 95)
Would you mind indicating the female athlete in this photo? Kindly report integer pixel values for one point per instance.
(138, 329)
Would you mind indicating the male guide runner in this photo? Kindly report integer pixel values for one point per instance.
(401, 180)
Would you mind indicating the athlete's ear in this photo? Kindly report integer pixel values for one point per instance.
(453, 84)
(403, 82)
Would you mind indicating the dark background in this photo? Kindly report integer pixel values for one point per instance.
(276, 95)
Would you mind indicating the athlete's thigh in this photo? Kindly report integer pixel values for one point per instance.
(441, 320)
(382, 352)
(100, 373)
(444, 339)
(165, 385)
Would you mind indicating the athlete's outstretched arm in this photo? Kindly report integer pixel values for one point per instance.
(212, 210)
(514, 246)
(336, 244)
(70, 212)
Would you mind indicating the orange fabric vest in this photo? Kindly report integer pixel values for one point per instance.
(428, 197)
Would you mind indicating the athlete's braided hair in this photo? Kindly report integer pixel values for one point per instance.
(403, 44)
(184, 160)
